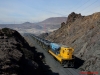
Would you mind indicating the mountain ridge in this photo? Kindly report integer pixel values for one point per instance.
(83, 34)
(37, 28)
(54, 20)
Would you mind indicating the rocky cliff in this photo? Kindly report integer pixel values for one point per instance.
(16, 56)
(83, 34)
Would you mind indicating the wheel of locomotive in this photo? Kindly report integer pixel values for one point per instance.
(65, 63)
(71, 64)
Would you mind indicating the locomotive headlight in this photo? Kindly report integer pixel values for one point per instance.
(67, 50)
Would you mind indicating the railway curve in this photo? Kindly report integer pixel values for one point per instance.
(55, 66)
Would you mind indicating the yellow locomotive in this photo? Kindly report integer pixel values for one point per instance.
(63, 54)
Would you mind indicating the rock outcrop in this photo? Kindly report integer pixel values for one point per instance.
(83, 34)
(16, 56)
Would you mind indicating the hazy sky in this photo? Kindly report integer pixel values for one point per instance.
(19, 11)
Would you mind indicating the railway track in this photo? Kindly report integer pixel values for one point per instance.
(55, 66)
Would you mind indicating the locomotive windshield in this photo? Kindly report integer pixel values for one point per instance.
(54, 46)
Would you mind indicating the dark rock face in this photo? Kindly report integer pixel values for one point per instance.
(83, 34)
(72, 17)
(16, 57)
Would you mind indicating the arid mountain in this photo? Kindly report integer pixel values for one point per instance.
(83, 34)
(54, 20)
(47, 25)
(52, 23)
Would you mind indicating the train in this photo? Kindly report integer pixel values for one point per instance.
(61, 53)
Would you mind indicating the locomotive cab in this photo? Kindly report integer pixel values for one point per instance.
(66, 53)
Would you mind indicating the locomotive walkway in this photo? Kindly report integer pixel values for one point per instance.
(54, 65)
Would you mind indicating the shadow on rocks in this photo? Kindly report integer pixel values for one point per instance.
(78, 62)
(40, 59)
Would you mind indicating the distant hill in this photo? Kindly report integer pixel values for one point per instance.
(47, 25)
(54, 20)
(26, 23)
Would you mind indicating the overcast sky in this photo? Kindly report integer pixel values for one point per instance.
(19, 11)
